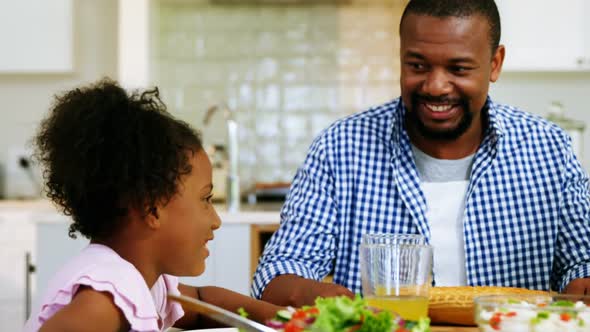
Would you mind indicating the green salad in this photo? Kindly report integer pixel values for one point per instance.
(342, 314)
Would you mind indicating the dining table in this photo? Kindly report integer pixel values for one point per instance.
(453, 329)
(432, 329)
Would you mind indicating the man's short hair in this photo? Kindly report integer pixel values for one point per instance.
(459, 8)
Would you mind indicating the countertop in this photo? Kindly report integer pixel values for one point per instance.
(43, 210)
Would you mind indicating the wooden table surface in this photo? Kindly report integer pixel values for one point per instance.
(453, 329)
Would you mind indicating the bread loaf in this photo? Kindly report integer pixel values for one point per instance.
(454, 305)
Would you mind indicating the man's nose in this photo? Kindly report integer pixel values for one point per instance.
(437, 83)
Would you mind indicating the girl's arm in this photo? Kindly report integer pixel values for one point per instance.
(89, 311)
(257, 310)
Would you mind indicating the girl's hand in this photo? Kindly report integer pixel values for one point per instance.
(580, 286)
(295, 291)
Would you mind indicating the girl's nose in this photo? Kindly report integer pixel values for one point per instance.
(216, 221)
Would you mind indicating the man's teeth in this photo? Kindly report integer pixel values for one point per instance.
(439, 108)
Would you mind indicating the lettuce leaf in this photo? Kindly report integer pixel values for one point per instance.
(338, 313)
(382, 321)
(422, 325)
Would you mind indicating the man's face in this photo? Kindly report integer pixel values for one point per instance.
(447, 65)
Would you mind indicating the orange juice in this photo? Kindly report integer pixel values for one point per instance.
(409, 307)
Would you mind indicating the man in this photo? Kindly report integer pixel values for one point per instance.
(496, 191)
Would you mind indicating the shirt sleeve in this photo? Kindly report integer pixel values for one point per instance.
(572, 252)
(133, 302)
(169, 311)
(304, 244)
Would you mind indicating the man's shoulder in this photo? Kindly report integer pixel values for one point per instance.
(517, 122)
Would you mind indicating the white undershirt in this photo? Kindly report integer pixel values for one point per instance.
(446, 206)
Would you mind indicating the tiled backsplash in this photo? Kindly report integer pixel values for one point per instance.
(288, 70)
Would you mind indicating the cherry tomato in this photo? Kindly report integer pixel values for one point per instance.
(495, 321)
(299, 314)
(313, 311)
(293, 327)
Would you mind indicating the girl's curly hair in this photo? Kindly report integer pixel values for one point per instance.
(104, 151)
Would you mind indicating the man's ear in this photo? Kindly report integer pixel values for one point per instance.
(497, 62)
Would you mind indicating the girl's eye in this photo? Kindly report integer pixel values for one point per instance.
(209, 199)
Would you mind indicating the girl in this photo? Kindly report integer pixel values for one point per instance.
(137, 183)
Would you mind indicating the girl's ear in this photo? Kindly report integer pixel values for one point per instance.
(153, 218)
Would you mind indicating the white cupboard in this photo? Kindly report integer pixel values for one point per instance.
(545, 35)
(16, 241)
(228, 264)
(36, 36)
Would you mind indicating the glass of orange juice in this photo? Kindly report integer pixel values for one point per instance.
(396, 273)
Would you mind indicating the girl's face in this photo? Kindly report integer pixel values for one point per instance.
(188, 221)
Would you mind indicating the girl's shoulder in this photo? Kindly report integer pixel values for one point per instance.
(102, 269)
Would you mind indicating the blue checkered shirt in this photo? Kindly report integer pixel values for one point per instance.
(527, 213)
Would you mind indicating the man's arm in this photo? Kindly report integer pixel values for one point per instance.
(257, 310)
(572, 252)
(293, 290)
(303, 249)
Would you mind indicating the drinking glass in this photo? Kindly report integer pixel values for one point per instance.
(396, 273)
(389, 238)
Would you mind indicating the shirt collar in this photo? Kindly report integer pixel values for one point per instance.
(495, 121)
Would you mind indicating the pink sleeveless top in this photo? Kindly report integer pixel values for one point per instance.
(102, 269)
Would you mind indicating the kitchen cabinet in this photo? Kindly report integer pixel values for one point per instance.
(228, 264)
(259, 235)
(545, 35)
(54, 248)
(36, 36)
(15, 242)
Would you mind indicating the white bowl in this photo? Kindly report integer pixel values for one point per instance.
(533, 313)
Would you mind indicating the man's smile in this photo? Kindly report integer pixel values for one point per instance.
(439, 112)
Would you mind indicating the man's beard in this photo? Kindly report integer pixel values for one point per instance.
(444, 134)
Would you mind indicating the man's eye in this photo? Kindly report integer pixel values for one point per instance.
(459, 69)
(416, 66)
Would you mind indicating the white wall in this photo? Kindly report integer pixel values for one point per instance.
(25, 98)
(288, 72)
(534, 91)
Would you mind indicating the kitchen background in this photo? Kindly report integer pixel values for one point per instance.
(288, 68)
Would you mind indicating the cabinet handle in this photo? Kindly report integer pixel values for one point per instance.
(29, 269)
